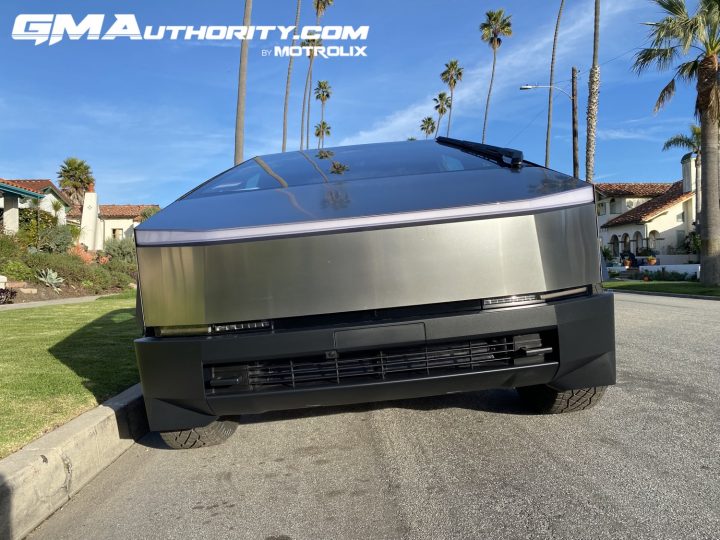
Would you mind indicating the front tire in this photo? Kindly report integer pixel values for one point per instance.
(547, 400)
(209, 435)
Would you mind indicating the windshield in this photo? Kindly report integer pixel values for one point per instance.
(343, 163)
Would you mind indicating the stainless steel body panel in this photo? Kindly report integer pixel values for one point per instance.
(369, 269)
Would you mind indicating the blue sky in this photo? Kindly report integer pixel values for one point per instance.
(156, 118)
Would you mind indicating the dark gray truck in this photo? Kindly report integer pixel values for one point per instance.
(368, 273)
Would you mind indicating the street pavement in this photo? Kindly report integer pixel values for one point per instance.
(644, 463)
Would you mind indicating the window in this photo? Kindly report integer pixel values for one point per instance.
(601, 209)
(117, 234)
(680, 238)
(614, 206)
(630, 204)
(680, 218)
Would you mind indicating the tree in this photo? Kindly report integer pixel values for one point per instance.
(442, 105)
(56, 206)
(427, 126)
(242, 90)
(552, 82)
(411, 138)
(452, 75)
(311, 44)
(671, 40)
(321, 130)
(493, 29)
(593, 99)
(75, 178)
(287, 82)
(148, 212)
(320, 9)
(693, 143)
(323, 91)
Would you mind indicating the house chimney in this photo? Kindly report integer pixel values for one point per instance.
(688, 172)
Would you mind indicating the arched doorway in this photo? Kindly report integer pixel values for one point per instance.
(652, 240)
(626, 243)
(638, 240)
(615, 245)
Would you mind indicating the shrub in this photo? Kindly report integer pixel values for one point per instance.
(29, 217)
(56, 239)
(80, 252)
(71, 268)
(9, 248)
(51, 279)
(119, 265)
(121, 249)
(148, 212)
(17, 270)
(7, 296)
(120, 280)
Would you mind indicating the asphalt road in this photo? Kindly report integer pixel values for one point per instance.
(644, 463)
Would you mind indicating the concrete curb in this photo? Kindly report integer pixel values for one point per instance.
(43, 476)
(671, 295)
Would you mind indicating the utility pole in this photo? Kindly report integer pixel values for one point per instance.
(576, 164)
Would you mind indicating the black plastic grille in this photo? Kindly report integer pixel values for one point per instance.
(378, 365)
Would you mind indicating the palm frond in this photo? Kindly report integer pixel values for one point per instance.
(687, 71)
(679, 141)
(660, 57)
(666, 95)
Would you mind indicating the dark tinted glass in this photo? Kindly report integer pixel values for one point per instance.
(342, 163)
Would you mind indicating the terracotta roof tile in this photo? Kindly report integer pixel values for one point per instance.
(121, 211)
(36, 186)
(633, 189)
(646, 211)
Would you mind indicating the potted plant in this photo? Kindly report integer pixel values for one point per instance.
(626, 262)
(651, 260)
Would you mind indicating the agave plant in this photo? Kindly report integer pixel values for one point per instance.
(51, 279)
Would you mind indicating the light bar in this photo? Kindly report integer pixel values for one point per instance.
(569, 198)
(526, 299)
(200, 330)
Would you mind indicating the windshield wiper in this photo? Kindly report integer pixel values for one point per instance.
(506, 157)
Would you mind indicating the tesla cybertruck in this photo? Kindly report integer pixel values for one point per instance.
(370, 273)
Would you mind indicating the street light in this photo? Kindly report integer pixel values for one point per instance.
(573, 99)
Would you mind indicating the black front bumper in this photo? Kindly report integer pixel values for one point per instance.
(179, 375)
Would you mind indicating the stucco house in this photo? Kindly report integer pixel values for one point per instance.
(635, 216)
(16, 194)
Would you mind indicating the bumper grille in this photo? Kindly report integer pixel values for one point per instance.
(398, 363)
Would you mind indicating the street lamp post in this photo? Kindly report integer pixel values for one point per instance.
(573, 99)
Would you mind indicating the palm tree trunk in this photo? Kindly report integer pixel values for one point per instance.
(552, 82)
(487, 102)
(322, 122)
(287, 82)
(242, 90)
(593, 100)
(698, 191)
(437, 128)
(309, 98)
(710, 224)
(302, 122)
(450, 111)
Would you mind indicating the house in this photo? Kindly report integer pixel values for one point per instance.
(639, 216)
(97, 222)
(16, 194)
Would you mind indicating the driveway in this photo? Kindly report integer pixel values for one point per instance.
(644, 463)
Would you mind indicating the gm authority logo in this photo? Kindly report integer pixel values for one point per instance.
(53, 28)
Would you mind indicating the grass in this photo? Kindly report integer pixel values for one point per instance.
(59, 361)
(676, 287)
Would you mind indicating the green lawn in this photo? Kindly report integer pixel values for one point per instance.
(677, 287)
(59, 361)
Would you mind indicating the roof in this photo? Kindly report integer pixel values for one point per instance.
(633, 189)
(648, 210)
(18, 191)
(39, 186)
(115, 211)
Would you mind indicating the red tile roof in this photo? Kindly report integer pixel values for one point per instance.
(633, 189)
(37, 186)
(648, 210)
(115, 211)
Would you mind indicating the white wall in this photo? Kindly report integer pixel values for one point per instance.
(126, 224)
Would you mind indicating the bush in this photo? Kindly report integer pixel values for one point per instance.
(121, 249)
(29, 217)
(71, 268)
(7, 296)
(664, 275)
(124, 267)
(120, 280)
(17, 270)
(9, 248)
(57, 239)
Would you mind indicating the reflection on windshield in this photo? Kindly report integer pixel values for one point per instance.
(338, 168)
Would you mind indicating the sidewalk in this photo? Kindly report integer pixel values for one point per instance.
(59, 301)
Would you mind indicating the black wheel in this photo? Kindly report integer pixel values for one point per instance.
(209, 435)
(547, 400)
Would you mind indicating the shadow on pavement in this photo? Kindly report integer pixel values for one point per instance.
(102, 354)
(5, 528)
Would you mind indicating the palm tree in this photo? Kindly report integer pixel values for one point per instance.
(311, 43)
(495, 26)
(56, 207)
(593, 100)
(451, 76)
(672, 38)
(322, 129)
(242, 90)
(692, 142)
(76, 178)
(442, 105)
(287, 82)
(323, 91)
(427, 126)
(320, 8)
(552, 82)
